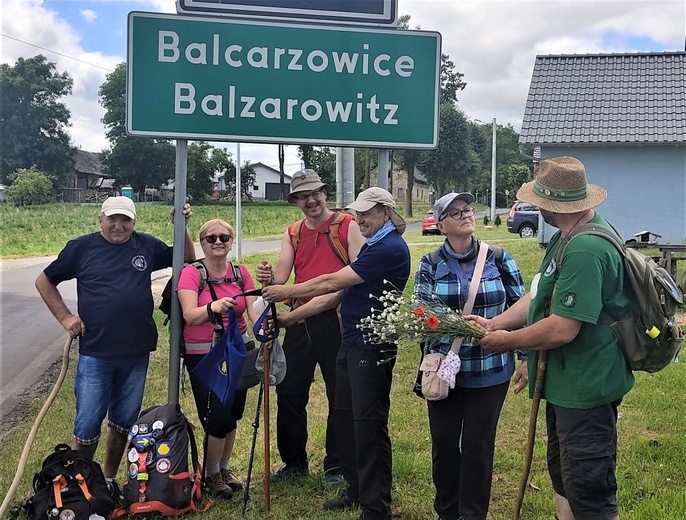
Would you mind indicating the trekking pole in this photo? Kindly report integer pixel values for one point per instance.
(34, 429)
(255, 425)
(535, 403)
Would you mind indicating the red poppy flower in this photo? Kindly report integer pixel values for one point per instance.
(418, 311)
(432, 322)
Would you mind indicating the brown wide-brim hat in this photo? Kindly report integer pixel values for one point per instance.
(561, 187)
(305, 181)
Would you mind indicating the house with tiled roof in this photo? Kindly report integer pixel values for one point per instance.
(624, 117)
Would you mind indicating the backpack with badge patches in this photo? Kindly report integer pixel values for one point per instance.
(69, 487)
(159, 477)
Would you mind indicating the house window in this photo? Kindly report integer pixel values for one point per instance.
(255, 187)
(401, 193)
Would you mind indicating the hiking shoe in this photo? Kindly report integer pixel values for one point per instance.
(216, 487)
(231, 480)
(332, 478)
(115, 493)
(289, 472)
(339, 504)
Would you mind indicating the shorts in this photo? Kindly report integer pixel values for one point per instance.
(110, 386)
(582, 454)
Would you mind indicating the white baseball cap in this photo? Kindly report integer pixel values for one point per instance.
(118, 206)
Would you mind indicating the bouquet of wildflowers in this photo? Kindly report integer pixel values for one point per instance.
(424, 317)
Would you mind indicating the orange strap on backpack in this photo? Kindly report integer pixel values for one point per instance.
(332, 234)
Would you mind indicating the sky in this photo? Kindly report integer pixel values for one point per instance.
(494, 43)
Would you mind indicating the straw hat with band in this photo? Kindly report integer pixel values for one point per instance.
(305, 181)
(370, 197)
(561, 187)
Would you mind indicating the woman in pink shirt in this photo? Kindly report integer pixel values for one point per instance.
(199, 308)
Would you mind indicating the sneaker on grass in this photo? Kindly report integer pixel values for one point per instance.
(289, 472)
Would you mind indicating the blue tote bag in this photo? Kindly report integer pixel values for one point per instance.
(221, 367)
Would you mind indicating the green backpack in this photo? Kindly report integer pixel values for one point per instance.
(649, 335)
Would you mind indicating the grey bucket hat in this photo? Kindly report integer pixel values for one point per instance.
(305, 181)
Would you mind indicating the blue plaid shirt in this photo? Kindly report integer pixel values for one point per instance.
(498, 289)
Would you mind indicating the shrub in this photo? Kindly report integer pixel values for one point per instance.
(29, 186)
(497, 220)
(486, 221)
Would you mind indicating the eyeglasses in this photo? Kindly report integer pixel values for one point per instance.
(315, 194)
(211, 239)
(459, 214)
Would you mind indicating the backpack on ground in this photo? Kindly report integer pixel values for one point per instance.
(649, 335)
(69, 487)
(159, 478)
(332, 233)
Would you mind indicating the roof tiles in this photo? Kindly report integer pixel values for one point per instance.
(607, 98)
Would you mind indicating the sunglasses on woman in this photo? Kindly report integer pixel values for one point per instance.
(211, 239)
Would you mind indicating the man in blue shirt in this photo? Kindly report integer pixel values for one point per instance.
(363, 370)
(114, 322)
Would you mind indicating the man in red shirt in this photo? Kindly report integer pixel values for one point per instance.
(308, 249)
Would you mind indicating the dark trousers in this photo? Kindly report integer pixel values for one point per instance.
(463, 428)
(316, 341)
(363, 388)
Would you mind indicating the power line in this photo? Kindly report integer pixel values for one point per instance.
(55, 52)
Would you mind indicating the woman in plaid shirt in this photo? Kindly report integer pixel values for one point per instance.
(463, 425)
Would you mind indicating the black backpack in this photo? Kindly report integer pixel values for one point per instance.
(69, 487)
(159, 478)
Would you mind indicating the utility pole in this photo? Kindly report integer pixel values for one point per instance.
(493, 173)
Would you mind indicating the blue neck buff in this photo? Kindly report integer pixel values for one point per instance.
(385, 230)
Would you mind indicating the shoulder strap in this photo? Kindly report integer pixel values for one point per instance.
(203, 275)
(294, 233)
(238, 275)
(609, 234)
(335, 239)
(332, 234)
(473, 288)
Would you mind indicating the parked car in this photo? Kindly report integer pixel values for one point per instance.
(429, 225)
(523, 219)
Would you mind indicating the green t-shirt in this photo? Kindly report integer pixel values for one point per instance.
(589, 287)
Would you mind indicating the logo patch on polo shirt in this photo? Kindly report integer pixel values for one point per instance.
(139, 263)
(568, 300)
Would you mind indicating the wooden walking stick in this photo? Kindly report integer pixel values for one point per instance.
(535, 403)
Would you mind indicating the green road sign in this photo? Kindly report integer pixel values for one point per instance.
(227, 80)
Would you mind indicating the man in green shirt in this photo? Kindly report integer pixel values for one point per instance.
(568, 313)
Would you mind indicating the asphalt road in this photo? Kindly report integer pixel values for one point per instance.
(32, 340)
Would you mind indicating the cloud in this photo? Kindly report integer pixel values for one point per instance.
(89, 15)
(494, 43)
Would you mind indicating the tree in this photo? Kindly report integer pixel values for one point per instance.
(204, 162)
(248, 177)
(408, 160)
(321, 159)
(138, 161)
(29, 186)
(451, 80)
(33, 122)
(449, 165)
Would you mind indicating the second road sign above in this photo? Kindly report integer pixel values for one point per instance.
(228, 80)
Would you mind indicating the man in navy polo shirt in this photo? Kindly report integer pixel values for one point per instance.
(363, 370)
(114, 322)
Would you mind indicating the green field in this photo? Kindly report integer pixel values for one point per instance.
(652, 426)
